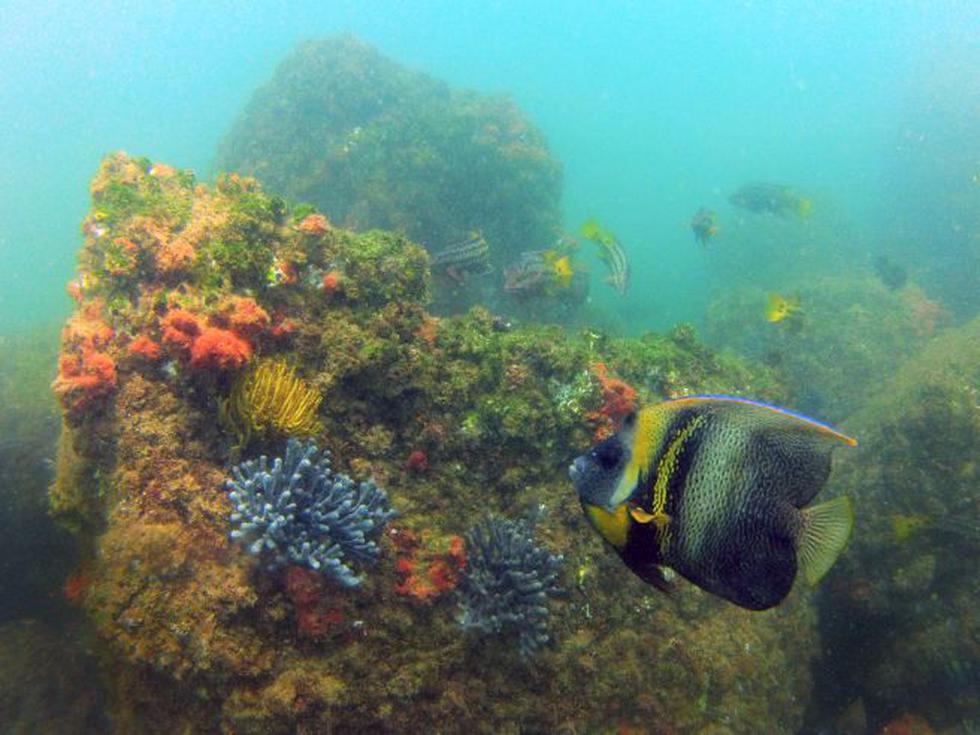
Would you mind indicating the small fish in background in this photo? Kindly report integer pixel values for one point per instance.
(539, 272)
(704, 225)
(775, 199)
(561, 268)
(905, 526)
(784, 310)
(469, 257)
(893, 275)
(611, 253)
(717, 488)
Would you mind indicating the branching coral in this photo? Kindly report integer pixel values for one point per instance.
(508, 582)
(270, 398)
(299, 512)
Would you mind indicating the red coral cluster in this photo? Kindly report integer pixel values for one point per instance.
(211, 347)
(426, 568)
(618, 401)
(86, 373)
(84, 379)
(307, 590)
(145, 348)
(417, 462)
(243, 316)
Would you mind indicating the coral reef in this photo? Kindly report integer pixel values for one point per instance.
(196, 636)
(297, 511)
(507, 583)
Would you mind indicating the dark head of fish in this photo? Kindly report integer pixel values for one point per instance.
(595, 474)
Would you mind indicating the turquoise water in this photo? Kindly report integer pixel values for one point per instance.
(654, 110)
(870, 111)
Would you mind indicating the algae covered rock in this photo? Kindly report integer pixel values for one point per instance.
(375, 145)
(900, 609)
(455, 417)
(837, 349)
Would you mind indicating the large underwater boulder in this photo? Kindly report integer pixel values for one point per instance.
(375, 145)
(899, 613)
(836, 351)
(187, 293)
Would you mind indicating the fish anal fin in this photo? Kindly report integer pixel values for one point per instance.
(824, 533)
(653, 575)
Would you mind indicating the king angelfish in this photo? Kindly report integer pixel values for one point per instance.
(718, 489)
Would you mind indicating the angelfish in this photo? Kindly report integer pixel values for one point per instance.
(717, 488)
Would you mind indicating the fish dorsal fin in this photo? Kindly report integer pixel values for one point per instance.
(824, 534)
(788, 417)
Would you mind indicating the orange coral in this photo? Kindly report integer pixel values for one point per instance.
(332, 283)
(244, 317)
(145, 348)
(180, 329)
(426, 572)
(84, 379)
(314, 224)
(219, 349)
(618, 401)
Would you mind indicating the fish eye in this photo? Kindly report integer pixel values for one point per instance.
(630, 420)
(608, 454)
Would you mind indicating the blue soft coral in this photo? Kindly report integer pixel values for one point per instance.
(508, 583)
(300, 512)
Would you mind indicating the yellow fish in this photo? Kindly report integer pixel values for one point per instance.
(562, 269)
(781, 308)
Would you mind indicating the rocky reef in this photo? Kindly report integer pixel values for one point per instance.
(183, 290)
(375, 145)
(899, 613)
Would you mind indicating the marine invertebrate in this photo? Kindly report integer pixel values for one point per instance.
(179, 330)
(244, 317)
(417, 462)
(219, 349)
(507, 583)
(84, 379)
(618, 401)
(270, 397)
(145, 348)
(427, 567)
(298, 511)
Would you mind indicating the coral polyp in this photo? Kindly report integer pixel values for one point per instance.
(297, 511)
(271, 399)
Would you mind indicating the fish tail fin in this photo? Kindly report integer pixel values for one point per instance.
(804, 207)
(824, 534)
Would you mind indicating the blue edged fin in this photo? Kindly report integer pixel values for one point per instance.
(817, 425)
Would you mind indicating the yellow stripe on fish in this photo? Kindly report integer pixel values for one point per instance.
(720, 489)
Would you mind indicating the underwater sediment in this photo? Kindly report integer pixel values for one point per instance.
(183, 289)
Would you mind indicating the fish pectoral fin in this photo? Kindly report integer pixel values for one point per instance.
(660, 520)
(824, 533)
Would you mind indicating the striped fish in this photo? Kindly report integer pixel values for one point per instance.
(718, 489)
(470, 256)
(611, 253)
